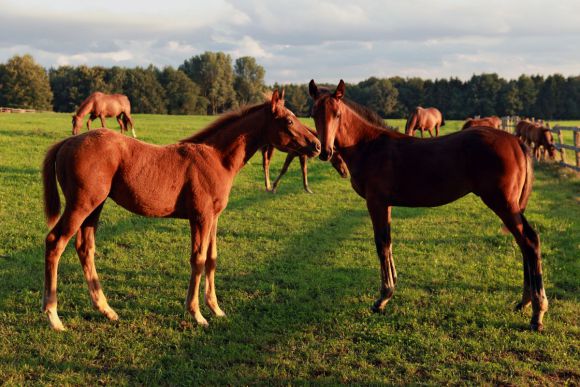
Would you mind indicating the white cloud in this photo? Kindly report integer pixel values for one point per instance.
(299, 40)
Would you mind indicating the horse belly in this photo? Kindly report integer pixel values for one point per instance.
(148, 197)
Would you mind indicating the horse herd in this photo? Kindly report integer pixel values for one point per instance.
(192, 180)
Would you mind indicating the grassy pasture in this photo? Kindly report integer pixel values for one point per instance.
(296, 275)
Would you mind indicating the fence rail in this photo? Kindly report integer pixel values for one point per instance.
(16, 110)
(509, 124)
(561, 146)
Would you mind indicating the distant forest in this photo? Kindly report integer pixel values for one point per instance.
(212, 82)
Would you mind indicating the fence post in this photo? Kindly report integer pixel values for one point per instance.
(577, 145)
(561, 141)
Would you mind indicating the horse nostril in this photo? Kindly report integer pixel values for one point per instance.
(317, 146)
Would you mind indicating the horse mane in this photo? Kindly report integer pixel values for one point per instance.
(221, 123)
(364, 112)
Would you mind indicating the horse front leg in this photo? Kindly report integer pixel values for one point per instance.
(289, 157)
(103, 122)
(210, 266)
(381, 218)
(304, 166)
(200, 235)
(267, 153)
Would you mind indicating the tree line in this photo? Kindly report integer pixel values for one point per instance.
(212, 82)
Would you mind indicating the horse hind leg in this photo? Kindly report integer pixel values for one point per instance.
(529, 244)
(121, 124)
(55, 243)
(85, 247)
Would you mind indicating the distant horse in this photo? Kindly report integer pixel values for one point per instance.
(268, 152)
(490, 122)
(336, 160)
(104, 105)
(538, 136)
(189, 180)
(492, 164)
(424, 119)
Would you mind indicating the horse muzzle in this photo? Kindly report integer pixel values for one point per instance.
(326, 154)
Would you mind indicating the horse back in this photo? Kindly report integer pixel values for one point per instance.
(437, 171)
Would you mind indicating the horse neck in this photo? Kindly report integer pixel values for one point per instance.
(353, 134)
(240, 140)
(85, 108)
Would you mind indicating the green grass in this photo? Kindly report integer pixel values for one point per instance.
(296, 275)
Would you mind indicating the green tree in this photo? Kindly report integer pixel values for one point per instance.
(483, 91)
(24, 84)
(528, 94)
(249, 80)
(182, 94)
(378, 94)
(213, 72)
(297, 99)
(144, 91)
(411, 94)
(510, 102)
(72, 85)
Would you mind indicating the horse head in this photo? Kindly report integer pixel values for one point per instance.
(287, 133)
(77, 122)
(326, 113)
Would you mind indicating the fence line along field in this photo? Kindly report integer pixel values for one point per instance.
(296, 275)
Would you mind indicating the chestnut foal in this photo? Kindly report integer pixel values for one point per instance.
(188, 180)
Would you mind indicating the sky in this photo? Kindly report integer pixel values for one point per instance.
(296, 41)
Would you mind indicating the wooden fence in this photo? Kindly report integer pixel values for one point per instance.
(509, 125)
(16, 110)
(561, 146)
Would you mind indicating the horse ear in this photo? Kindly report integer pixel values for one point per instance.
(282, 95)
(339, 92)
(313, 89)
(275, 100)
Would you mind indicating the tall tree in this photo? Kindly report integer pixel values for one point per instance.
(182, 94)
(144, 91)
(249, 80)
(379, 94)
(483, 93)
(24, 84)
(213, 72)
(509, 102)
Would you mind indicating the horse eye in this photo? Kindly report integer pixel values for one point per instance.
(289, 121)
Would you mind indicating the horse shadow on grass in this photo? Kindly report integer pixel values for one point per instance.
(297, 291)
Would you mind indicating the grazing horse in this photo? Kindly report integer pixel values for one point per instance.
(424, 119)
(104, 105)
(268, 152)
(490, 122)
(536, 135)
(336, 160)
(189, 180)
(490, 163)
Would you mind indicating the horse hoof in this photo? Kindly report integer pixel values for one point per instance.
(537, 327)
(308, 190)
(521, 306)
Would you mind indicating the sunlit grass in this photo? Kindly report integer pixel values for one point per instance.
(296, 275)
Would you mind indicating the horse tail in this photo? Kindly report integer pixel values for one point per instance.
(527, 188)
(442, 120)
(51, 197)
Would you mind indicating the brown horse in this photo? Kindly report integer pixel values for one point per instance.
(189, 180)
(538, 136)
(104, 105)
(424, 119)
(490, 122)
(336, 160)
(490, 163)
(268, 152)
